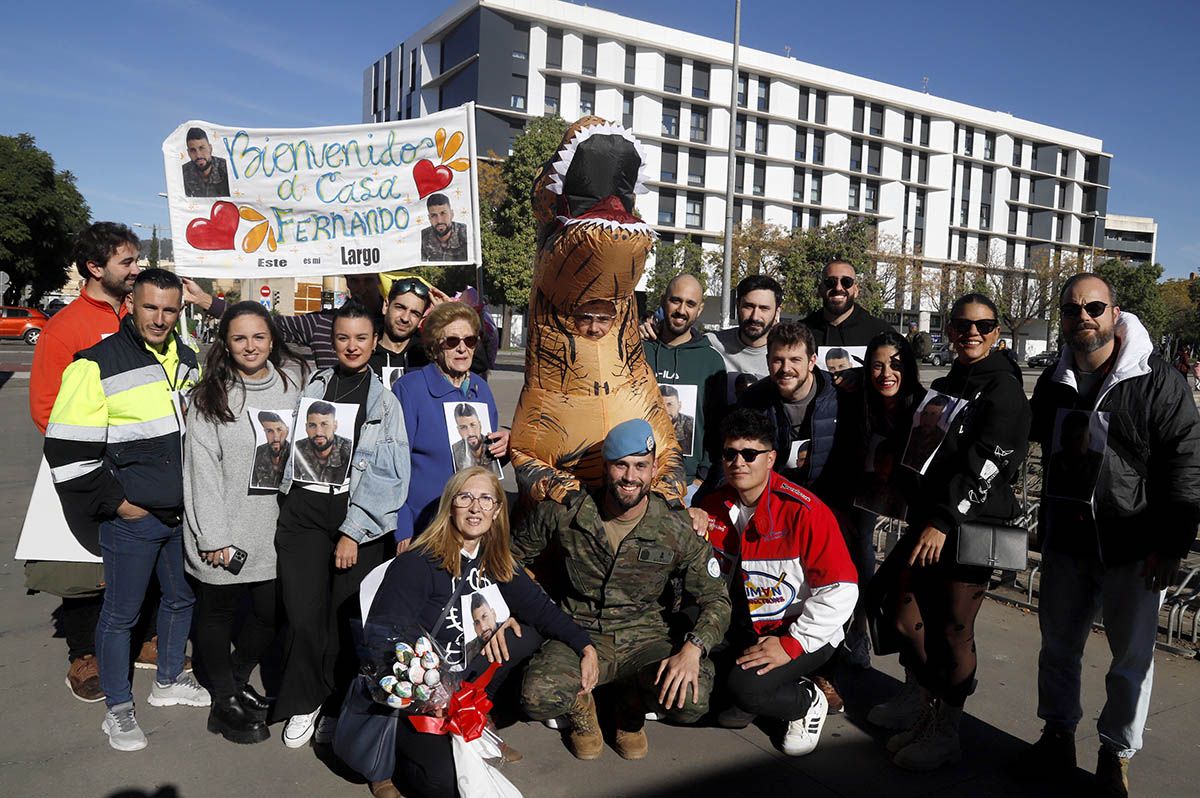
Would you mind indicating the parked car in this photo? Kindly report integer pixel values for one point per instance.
(940, 356)
(1042, 359)
(23, 323)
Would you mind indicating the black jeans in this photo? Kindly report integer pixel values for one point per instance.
(776, 694)
(217, 608)
(79, 616)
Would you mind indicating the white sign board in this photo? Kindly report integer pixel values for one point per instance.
(45, 535)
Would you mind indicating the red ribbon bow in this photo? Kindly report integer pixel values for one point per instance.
(467, 713)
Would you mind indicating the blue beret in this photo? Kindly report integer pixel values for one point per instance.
(629, 437)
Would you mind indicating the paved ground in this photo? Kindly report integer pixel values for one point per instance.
(52, 745)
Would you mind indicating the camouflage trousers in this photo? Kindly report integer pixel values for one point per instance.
(552, 677)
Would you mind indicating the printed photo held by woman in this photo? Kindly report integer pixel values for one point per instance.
(933, 598)
(446, 389)
(231, 509)
(330, 536)
(463, 553)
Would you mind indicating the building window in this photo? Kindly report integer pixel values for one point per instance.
(696, 161)
(908, 127)
(814, 189)
(969, 142)
(876, 128)
(1066, 164)
(553, 92)
(666, 208)
(627, 110)
(760, 178)
(919, 208)
(803, 113)
(756, 211)
(981, 249)
(918, 240)
(739, 170)
(673, 75)
(1061, 194)
(923, 168)
(989, 146)
(859, 112)
(587, 98)
(739, 133)
(872, 197)
(520, 55)
(694, 217)
(1060, 225)
(801, 143)
(798, 185)
(797, 218)
(906, 166)
(819, 110)
(962, 246)
(874, 159)
(589, 55)
(818, 146)
(764, 92)
(670, 120)
(700, 77)
(853, 203)
(670, 164)
(630, 64)
(741, 89)
(517, 101)
(1010, 253)
(985, 216)
(554, 38)
(814, 220)
(856, 155)
(964, 212)
(699, 131)
(1017, 145)
(1014, 188)
(760, 136)
(924, 131)
(1012, 221)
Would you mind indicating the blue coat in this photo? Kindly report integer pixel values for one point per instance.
(423, 395)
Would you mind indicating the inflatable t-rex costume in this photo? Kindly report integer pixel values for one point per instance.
(591, 251)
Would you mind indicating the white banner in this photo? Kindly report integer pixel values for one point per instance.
(259, 203)
(45, 534)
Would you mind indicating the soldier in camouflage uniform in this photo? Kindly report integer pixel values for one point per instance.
(619, 547)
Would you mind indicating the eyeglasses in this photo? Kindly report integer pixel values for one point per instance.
(464, 500)
(452, 341)
(1074, 310)
(583, 319)
(963, 326)
(831, 283)
(749, 455)
(410, 285)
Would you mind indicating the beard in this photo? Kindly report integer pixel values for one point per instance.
(624, 502)
(117, 286)
(1080, 341)
(845, 300)
(322, 447)
(752, 328)
(441, 228)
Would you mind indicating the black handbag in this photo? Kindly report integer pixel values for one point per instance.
(993, 546)
(365, 738)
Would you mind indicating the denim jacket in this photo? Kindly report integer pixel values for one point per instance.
(380, 469)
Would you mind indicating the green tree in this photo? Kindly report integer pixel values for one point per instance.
(507, 227)
(152, 254)
(804, 254)
(41, 212)
(1137, 292)
(1181, 300)
(671, 260)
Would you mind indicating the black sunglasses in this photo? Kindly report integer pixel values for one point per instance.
(410, 285)
(1074, 310)
(831, 283)
(749, 455)
(452, 341)
(963, 326)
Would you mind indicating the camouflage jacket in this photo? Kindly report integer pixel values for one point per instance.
(618, 592)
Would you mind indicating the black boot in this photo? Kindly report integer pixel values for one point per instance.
(228, 719)
(256, 706)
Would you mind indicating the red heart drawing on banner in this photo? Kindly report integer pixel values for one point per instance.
(218, 230)
(430, 178)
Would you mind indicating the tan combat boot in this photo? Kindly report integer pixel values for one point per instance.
(585, 740)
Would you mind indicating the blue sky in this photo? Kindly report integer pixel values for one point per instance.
(101, 84)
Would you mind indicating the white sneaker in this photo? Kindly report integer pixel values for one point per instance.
(185, 691)
(804, 733)
(902, 712)
(326, 726)
(300, 728)
(121, 726)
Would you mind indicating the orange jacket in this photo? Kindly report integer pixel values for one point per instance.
(81, 324)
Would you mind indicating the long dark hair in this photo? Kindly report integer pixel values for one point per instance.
(210, 397)
(911, 390)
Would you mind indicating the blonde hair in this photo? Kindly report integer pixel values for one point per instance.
(442, 541)
(442, 317)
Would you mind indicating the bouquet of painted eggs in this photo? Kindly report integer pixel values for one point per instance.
(415, 678)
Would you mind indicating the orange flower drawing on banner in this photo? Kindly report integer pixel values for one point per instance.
(261, 231)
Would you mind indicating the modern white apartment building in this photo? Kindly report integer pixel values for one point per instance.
(1130, 238)
(950, 182)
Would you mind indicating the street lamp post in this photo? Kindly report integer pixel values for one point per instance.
(727, 261)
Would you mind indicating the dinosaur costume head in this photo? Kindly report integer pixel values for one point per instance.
(585, 371)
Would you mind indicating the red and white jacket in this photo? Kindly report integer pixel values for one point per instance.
(799, 579)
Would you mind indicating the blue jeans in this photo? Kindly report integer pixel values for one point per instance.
(131, 551)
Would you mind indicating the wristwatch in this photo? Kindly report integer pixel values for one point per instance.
(694, 639)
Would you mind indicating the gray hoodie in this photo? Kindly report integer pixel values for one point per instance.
(220, 509)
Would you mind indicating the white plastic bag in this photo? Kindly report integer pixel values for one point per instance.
(477, 778)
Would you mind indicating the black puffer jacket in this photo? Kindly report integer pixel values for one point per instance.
(1147, 493)
(970, 478)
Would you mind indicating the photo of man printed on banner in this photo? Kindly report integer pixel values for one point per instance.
(840, 358)
(680, 401)
(390, 374)
(797, 455)
(468, 426)
(272, 446)
(1077, 454)
(204, 174)
(482, 612)
(324, 453)
(878, 494)
(931, 421)
(444, 239)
